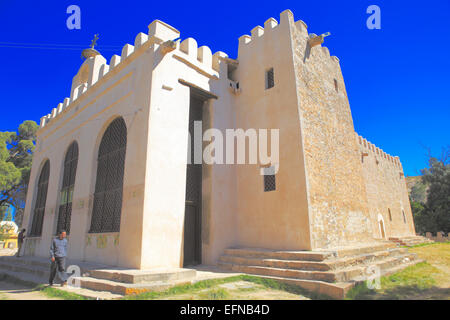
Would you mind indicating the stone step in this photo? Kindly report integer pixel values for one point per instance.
(410, 240)
(340, 275)
(28, 261)
(364, 249)
(281, 255)
(309, 255)
(325, 276)
(401, 238)
(34, 280)
(349, 261)
(411, 243)
(276, 263)
(116, 281)
(326, 265)
(332, 290)
(142, 276)
(351, 274)
(336, 290)
(126, 288)
(39, 262)
(400, 267)
(38, 271)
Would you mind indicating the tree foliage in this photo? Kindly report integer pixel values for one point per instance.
(419, 192)
(16, 151)
(433, 214)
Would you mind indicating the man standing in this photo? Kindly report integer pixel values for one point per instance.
(20, 238)
(58, 253)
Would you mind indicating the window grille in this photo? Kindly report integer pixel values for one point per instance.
(107, 205)
(66, 195)
(270, 82)
(269, 182)
(41, 197)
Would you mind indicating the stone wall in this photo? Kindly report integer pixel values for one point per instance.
(387, 193)
(338, 207)
(440, 237)
(277, 219)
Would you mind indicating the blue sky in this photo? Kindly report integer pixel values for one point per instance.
(397, 78)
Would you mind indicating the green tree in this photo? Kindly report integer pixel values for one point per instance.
(5, 213)
(16, 151)
(434, 214)
(419, 192)
(419, 217)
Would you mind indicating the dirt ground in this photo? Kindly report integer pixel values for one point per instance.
(11, 291)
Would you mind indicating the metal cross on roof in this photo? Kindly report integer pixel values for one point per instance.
(94, 41)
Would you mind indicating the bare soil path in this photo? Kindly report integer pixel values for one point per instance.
(12, 291)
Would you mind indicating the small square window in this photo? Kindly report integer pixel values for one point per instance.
(270, 81)
(269, 183)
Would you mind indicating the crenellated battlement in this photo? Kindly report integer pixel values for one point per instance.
(96, 68)
(271, 25)
(199, 58)
(258, 32)
(379, 154)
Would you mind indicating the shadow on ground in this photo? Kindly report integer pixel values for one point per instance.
(18, 291)
(408, 292)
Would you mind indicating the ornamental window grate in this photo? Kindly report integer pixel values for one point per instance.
(66, 195)
(41, 197)
(270, 82)
(107, 204)
(269, 182)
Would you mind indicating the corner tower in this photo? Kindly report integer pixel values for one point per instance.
(337, 199)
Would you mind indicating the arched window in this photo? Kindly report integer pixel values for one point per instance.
(109, 183)
(41, 197)
(65, 202)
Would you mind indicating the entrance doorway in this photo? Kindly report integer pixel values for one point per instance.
(193, 205)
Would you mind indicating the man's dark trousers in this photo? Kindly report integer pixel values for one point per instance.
(59, 265)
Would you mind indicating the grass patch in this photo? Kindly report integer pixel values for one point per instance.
(248, 290)
(182, 289)
(57, 293)
(426, 244)
(360, 292)
(217, 293)
(425, 280)
(413, 281)
(418, 275)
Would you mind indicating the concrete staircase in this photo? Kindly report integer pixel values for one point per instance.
(332, 273)
(410, 240)
(97, 281)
